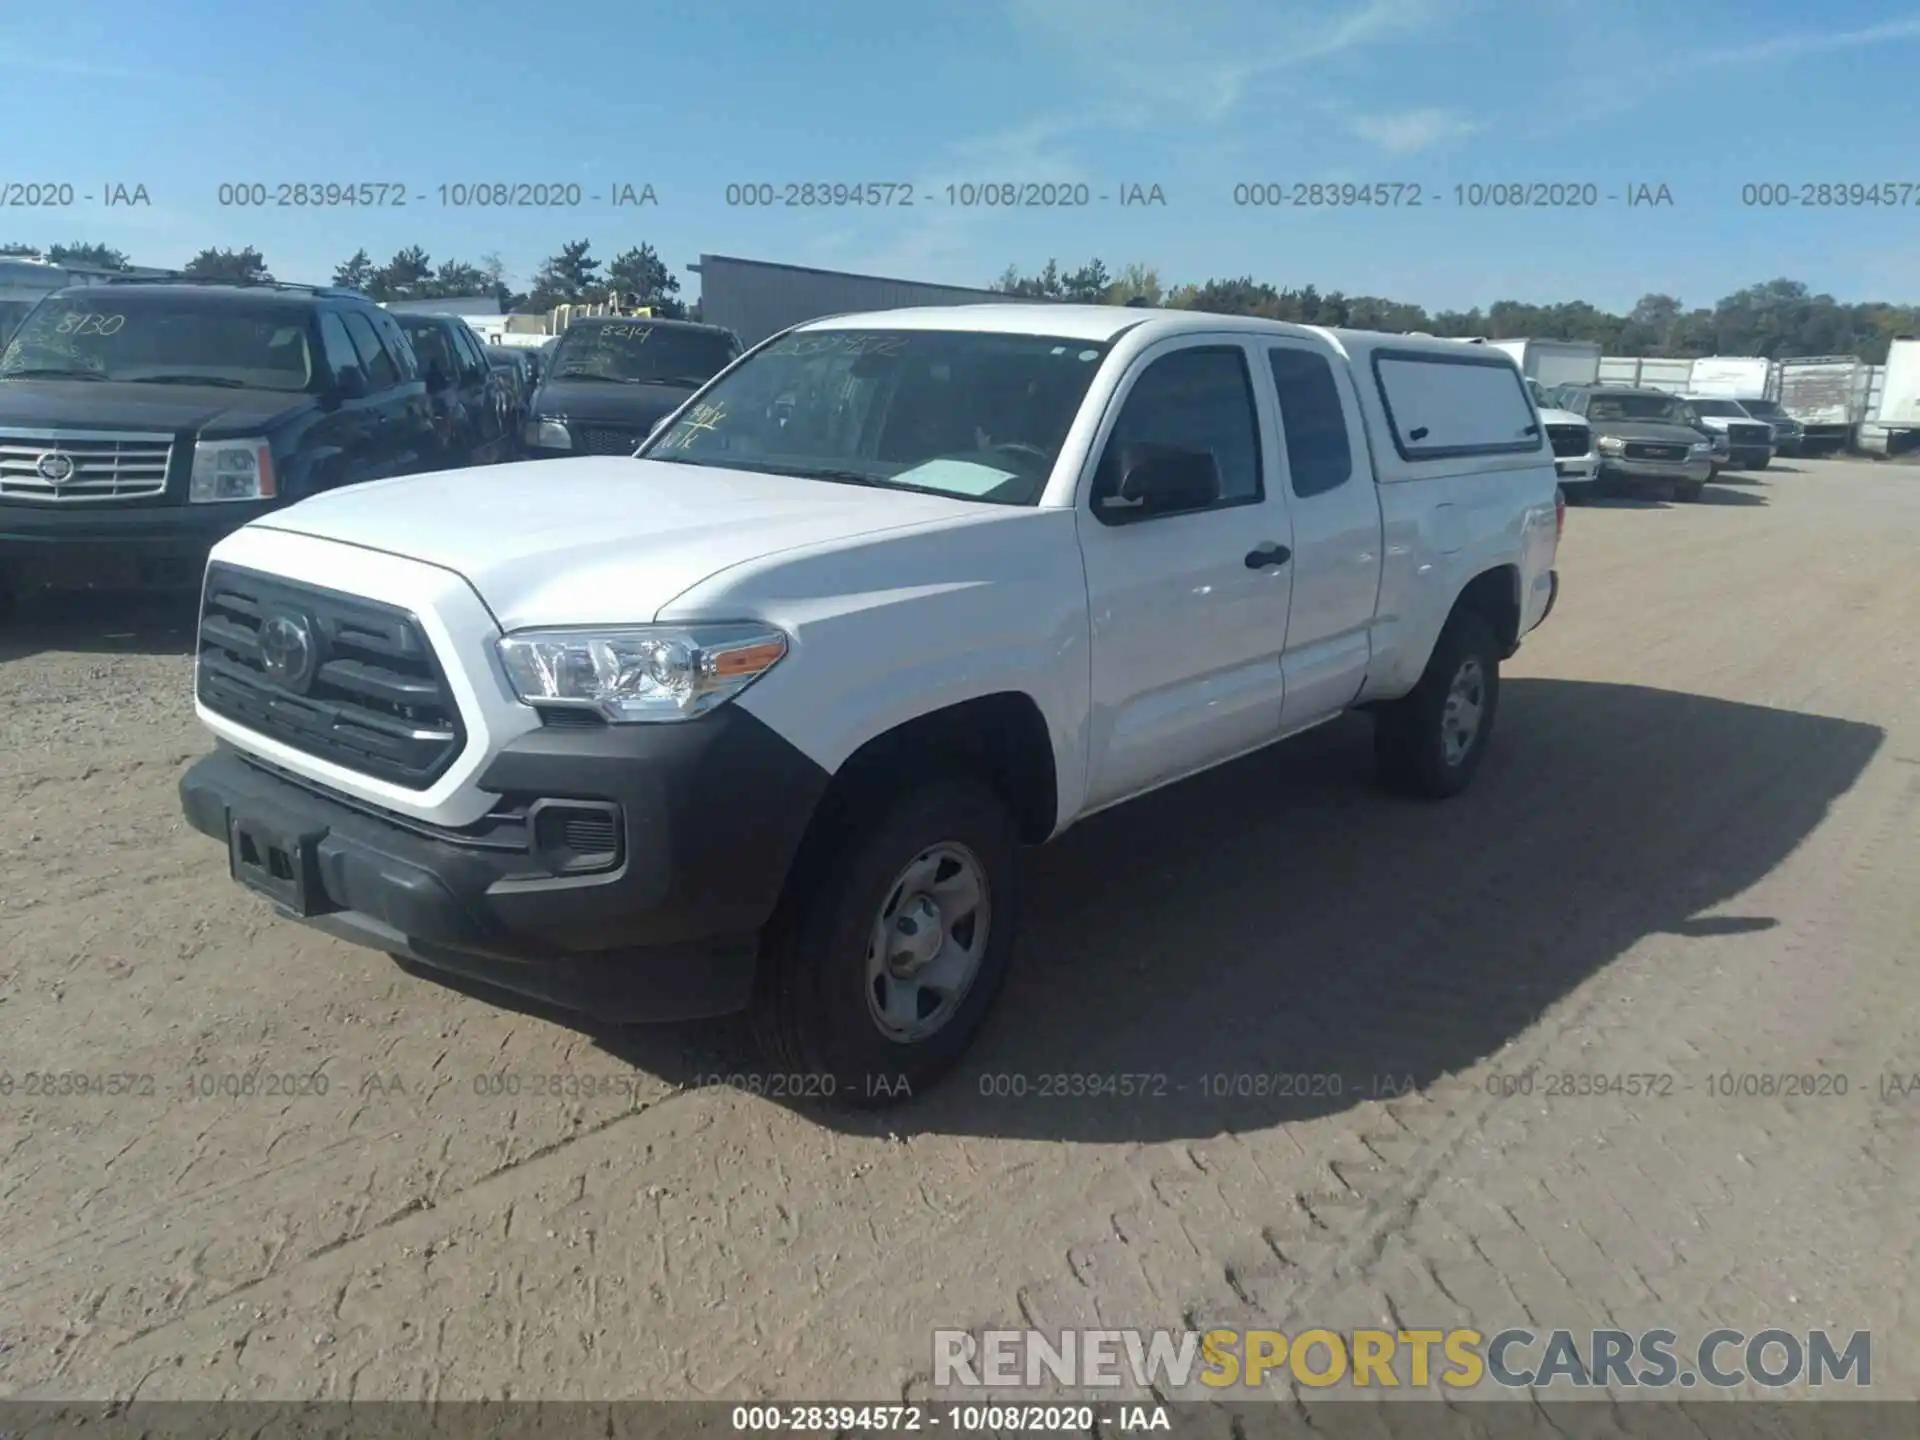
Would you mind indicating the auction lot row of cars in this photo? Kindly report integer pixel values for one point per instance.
(143, 420)
(1622, 439)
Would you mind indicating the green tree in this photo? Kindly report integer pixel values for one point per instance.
(1136, 282)
(80, 252)
(566, 278)
(639, 271)
(245, 264)
(405, 277)
(1089, 284)
(358, 272)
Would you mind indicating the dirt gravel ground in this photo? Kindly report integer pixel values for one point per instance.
(1693, 854)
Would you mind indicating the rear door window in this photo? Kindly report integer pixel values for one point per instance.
(1319, 456)
(381, 371)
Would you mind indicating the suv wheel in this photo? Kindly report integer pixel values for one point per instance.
(1430, 742)
(884, 962)
(1688, 491)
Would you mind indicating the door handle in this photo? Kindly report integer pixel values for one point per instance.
(1267, 554)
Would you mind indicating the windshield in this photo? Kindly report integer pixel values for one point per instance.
(972, 414)
(637, 352)
(1660, 409)
(169, 340)
(1718, 407)
(12, 312)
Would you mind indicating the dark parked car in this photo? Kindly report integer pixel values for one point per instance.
(610, 379)
(1645, 438)
(471, 409)
(511, 363)
(1787, 431)
(141, 421)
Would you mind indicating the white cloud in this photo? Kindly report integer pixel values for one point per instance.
(1411, 131)
(1203, 57)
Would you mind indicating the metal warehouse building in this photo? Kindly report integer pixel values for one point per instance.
(755, 299)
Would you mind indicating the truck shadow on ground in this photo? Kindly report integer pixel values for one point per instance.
(1279, 939)
(100, 622)
(1714, 495)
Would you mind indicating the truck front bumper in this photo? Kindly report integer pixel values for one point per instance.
(1622, 470)
(1577, 471)
(81, 543)
(697, 825)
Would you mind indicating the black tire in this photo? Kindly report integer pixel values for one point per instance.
(811, 1013)
(1761, 463)
(1409, 734)
(1688, 491)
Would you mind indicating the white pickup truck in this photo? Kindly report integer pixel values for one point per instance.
(758, 719)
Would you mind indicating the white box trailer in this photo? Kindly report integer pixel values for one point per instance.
(1827, 394)
(1732, 377)
(1554, 362)
(1899, 407)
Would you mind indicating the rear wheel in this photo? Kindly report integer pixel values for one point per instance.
(1429, 743)
(893, 945)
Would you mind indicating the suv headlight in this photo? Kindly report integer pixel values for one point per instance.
(547, 434)
(640, 673)
(1702, 447)
(231, 470)
(1610, 445)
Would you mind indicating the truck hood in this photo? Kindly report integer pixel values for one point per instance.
(1648, 430)
(111, 405)
(603, 538)
(1561, 417)
(599, 401)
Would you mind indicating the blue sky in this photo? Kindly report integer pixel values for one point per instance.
(1195, 96)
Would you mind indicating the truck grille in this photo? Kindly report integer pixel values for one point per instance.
(346, 680)
(610, 439)
(1755, 435)
(1649, 450)
(79, 465)
(1569, 441)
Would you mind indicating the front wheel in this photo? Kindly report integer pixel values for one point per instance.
(1688, 491)
(1429, 743)
(882, 966)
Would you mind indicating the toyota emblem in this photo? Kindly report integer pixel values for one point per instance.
(287, 651)
(54, 467)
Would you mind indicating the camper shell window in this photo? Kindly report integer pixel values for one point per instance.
(1441, 407)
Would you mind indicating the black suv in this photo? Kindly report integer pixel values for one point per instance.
(142, 421)
(608, 380)
(472, 409)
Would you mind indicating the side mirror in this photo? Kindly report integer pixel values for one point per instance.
(1160, 480)
(350, 383)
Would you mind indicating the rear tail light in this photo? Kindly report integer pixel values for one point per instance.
(1559, 514)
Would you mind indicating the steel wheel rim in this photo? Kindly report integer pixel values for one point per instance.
(1466, 704)
(927, 943)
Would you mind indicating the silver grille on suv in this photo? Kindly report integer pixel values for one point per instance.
(74, 465)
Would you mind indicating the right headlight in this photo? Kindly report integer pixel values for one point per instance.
(547, 434)
(640, 673)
